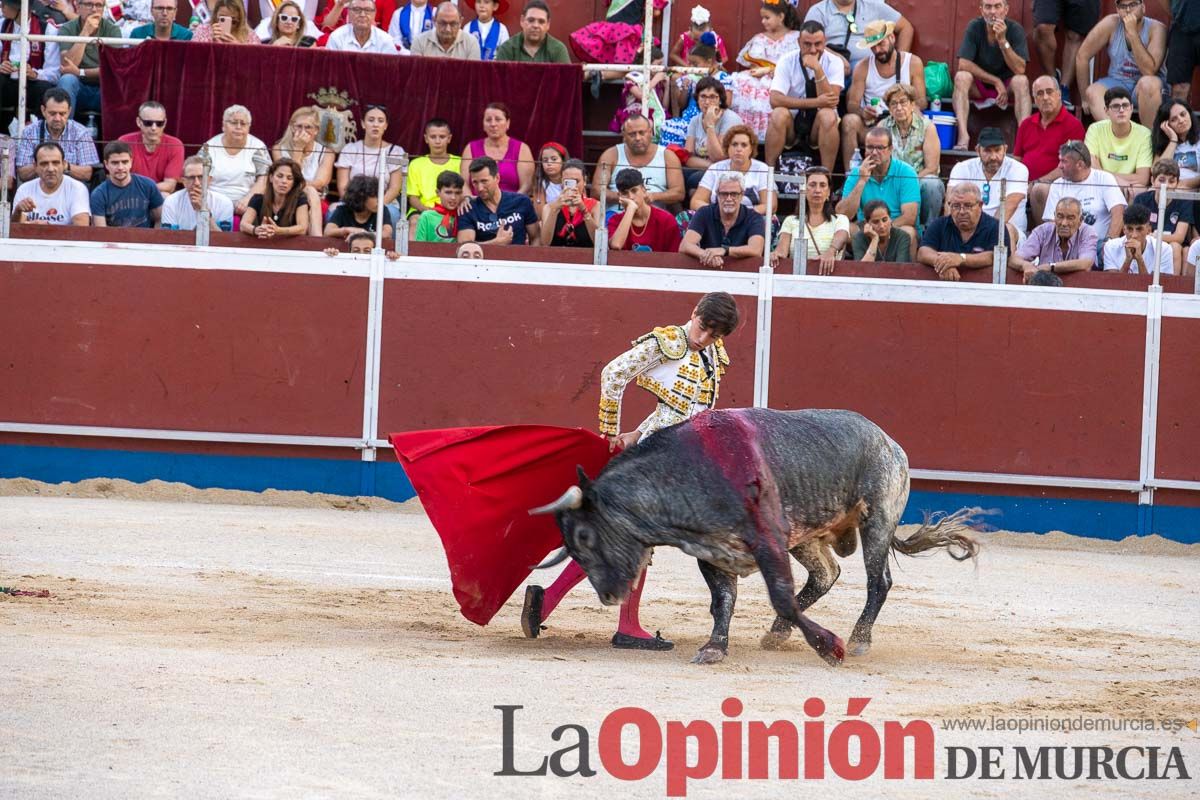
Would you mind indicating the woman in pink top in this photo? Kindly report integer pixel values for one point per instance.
(512, 155)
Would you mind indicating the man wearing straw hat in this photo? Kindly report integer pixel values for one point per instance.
(872, 78)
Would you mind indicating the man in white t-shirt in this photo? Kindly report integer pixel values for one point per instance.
(804, 98)
(1137, 251)
(992, 166)
(182, 209)
(1099, 196)
(360, 34)
(53, 198)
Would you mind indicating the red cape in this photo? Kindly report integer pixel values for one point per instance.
(477, 486)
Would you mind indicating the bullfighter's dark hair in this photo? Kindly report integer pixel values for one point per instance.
(629, 178)
(482, 163)
(447, 179)
(719, 312)
(360, 189)
(1137, 215)
(117, 148)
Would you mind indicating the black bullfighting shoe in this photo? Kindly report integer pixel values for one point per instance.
(531, 612)
(623, 641)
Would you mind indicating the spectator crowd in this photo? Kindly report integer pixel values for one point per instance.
(833, 99)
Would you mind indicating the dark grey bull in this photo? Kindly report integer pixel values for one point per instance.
(741, 489)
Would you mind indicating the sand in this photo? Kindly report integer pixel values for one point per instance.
(242, 645)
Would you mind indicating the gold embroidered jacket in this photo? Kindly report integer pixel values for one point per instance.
(662, 363)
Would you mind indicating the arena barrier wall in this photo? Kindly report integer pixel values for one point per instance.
(1063, 409)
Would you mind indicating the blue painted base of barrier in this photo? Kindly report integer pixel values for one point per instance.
(1092, 518)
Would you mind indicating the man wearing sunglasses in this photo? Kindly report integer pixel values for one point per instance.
(1137, 49)
(845, 23)
(156, 154)
(162, 25)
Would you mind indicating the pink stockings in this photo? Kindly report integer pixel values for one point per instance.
(572, 575)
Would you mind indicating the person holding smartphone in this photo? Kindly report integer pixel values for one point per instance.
(227, 25)
(571, 220)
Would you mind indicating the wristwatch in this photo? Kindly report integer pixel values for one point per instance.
(1052, 266)
(725, 248)
(1007, 46)
(962, 258)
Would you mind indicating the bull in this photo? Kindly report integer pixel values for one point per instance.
(739, 490)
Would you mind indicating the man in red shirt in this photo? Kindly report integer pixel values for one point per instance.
(156, 155)
(1039, 138)
(640, 225)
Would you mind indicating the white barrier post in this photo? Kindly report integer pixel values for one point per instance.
(1158, 233)
(5, 210)
(800, 246)
(600, 243)
(767, 249)
(647, 46)
(204, 218)
(1000, 254)
(400, 231)
(22, 78)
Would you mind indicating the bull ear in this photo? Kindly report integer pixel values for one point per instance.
(584, 480)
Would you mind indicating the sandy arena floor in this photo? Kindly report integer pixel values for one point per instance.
(195, 647)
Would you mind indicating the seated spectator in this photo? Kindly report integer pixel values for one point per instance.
(440, 223)
(227, 25)
(1042, 278)
(844, 22)
(239, 160)
(488, 31)
(361, 35)
(335, 14)
(1039, 138)
(991, 67)
(1077, 19)
(469, 249)
(124, 200)
(639, 225)
(707, 129)
(878, 240)
(827, 232)
(287, 27)
(57, 126)
(739, 146)
(884, 177)
(571, 219)
(1183, 47)
(80, 76)
(1098, 194)
(299, 143)
(1063, 245)
(1136, 47)
(866, 100)
(423, 172)
(987, 171)
(358, 211)
(685, 108)
(129, 14)
(411, 20)
(1138, 251)
(42, 68)
(964, 240)
(361, 157)
(699, 24)
(53, 198)
(916, 143)
(727, 229)
(447, 39)
(156, 154)
(1179, 222)
(1176, 136)
(1193, 255)
(495, 215)
(750, 96)
(162, 25)
(181, 211)
(633, 99)
(514, 156)
(548, 176)
(662, 174)
(805, 93)
(534, 43)
(282, 208)
(1119, 145)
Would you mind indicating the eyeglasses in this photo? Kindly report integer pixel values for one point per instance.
(729, 195)
(375, 107)
(288, 18)
(962, 206)
(163, 9)
(850, 22)
(1120, 106)
(299, 126)
(450, 24)
(238, 123)
(876, 147)
(1074, 146)
(361, 10)
(153, 123)
(1128, 6)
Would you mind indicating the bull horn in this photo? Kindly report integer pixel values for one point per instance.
(558, 557)
(571, 498)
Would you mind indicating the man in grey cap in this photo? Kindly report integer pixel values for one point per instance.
(992, 166)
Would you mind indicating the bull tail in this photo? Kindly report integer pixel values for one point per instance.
(942, 530)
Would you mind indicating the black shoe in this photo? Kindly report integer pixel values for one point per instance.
(531, 612)
(623, 641)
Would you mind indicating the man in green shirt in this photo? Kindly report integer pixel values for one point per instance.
(441, 223)
(534, 43)
(81, 62)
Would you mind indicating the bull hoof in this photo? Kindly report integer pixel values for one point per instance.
(708, 655)
(835, 653)
(774, 640)
(859, 649)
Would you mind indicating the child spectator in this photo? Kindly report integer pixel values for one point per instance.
(638, 225)
(423, 172)
(410, 21)
(548, 176)
(359, 210)
(632, 94)
(440, 223)
(487, 30)
(1180, 219)
(1137, 251)
(701, 25)
(751, 95)
(572, 218)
